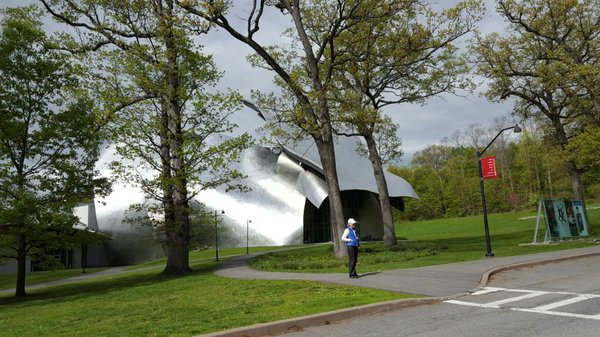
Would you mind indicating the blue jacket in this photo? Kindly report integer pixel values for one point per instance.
(352, 236)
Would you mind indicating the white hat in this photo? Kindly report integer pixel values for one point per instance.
(351, 221)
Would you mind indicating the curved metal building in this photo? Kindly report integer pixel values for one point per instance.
(357, 186)
(287, 203)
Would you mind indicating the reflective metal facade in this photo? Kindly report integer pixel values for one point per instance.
(272, 212)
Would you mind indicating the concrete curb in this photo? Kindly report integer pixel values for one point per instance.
(299, 323)
(485, 278)
(326, 318)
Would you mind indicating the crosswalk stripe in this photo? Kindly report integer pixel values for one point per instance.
(470, 304)
(558, 313)
(558, 304)
(543, 309)
(518, 298)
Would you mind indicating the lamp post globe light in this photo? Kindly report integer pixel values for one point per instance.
(217, 234)
(488, 244)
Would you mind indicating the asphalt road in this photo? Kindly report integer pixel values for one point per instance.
(555, 299)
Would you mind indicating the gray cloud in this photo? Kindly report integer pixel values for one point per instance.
(420, 126)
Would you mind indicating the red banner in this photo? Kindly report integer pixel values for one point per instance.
(488, 167)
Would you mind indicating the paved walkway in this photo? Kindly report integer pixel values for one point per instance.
(440, 282)
(436, 281)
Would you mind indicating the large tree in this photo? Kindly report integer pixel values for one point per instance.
(549, 63)
(157, 96)
(301, 72)
(48, 147)
(405, 54)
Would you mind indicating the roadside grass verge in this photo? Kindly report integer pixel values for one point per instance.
(431, 242)
(144, 303)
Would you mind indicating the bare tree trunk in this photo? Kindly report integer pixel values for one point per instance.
(327, 156)
(167, 202)
(576, 184)
(21, 267)
(179, 235)
(324, 137)
(178, 241)
(178, 259)
(574, 172)
(389, 231)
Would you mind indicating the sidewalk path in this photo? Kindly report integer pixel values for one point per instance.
(436, 281)
(440, 282)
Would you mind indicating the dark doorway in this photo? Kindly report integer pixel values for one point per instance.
(317, 224)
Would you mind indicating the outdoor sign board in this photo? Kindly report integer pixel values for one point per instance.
(488, 167)
(565, 218)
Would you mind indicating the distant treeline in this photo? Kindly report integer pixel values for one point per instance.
(446, 177)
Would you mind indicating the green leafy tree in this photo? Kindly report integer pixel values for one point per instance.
(583, 148)
(48, 143)
(446, 178)
(464, 185)
(549, 63)
(530, 161)
(301, 72)
(434, 158)
(404, 54)
(158, 99)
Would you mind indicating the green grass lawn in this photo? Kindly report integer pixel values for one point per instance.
(433, 242)
(198, 255)
(143, 303)
(465, 240)
(7, 281)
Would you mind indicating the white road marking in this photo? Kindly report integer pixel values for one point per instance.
(544, 309)
(559, 313)
(487, 290)
(470, 304)
(558, 304)
(518, 298)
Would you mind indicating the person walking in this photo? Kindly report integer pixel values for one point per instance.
(349, 236)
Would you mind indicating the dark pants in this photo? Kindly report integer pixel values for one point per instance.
(352, 258)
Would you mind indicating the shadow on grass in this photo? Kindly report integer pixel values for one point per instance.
(103, 285)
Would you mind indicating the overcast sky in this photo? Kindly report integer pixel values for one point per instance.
(420, 126)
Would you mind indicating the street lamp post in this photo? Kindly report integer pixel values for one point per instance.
(247, 249)
(488, 244)
(217, 235)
